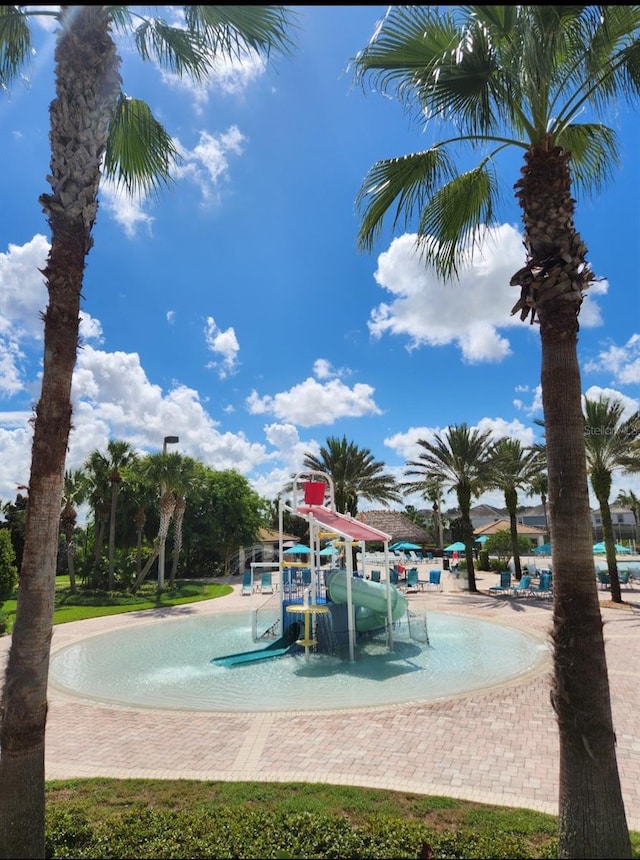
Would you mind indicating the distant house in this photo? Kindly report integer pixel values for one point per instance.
(533, 532)
(266, 549)
(623, 521)
(396, 524)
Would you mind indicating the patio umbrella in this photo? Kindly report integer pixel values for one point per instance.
(482, 539)
(403, 544)
(599, 548)
(328, 550)
(458, 546)
(542, 549)
(297, 549)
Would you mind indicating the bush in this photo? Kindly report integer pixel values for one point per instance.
(8, 569)
(231, 832)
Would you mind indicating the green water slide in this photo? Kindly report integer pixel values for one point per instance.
(368, 598)
(285, 645)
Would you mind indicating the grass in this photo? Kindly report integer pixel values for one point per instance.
(94, 604)
(138, 818)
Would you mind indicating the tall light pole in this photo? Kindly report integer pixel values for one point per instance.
(168, 440)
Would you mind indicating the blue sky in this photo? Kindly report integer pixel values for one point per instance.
(236, 311)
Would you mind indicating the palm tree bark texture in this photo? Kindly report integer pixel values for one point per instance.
(552, 286)
(87, 74)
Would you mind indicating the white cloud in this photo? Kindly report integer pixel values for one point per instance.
(311, 403)
(623, 362)
(229, 77)
(630, 404)
(225, 343)
(468, 312)
(23, 295)
(206, 166)
(23, 300)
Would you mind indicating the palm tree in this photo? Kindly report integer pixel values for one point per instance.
(73, 493)
(513, 467)
(94, 129)
(98, 492)
(539, 486)
(431, 490)
(459, 461)
(181, 485)
(495, 78)
(356, 474)
(608, 440)
(628, 499)
(119, 455)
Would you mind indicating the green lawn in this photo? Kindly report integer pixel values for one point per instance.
(93, 604)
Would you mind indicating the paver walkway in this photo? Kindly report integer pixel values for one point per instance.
(498, 745)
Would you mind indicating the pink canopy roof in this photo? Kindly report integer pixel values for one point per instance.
(342, 524)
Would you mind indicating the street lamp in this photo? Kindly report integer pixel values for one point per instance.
(168, 440)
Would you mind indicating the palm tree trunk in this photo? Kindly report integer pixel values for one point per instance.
(112, 532)
(610, 546)
(511, 501)
(580, 695)
(464, 502)
(177, 537)
(553, 282)
(72, 567)
(87, 86)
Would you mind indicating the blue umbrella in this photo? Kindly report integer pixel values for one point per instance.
(297, 549)
(600, 548)
(458, 546)
(403, 544)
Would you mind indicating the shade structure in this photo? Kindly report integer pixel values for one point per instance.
(599, 548)
(403, 544)
(458, 546)
(297, 549)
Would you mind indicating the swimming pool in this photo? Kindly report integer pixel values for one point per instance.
(167, 664)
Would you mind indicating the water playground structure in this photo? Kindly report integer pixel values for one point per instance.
(320, 609)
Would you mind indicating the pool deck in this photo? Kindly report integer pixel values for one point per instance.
(498, 745)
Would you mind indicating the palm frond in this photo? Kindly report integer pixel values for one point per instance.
(180, 50)
(15, 43)
(230, 31)
(406, 180)
(594, 154)
(456, 217)
(139, 153)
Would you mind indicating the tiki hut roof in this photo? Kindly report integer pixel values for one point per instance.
(396, 524)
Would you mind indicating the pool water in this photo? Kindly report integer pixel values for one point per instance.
(167, 664)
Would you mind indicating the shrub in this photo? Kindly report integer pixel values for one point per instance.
(8, 569)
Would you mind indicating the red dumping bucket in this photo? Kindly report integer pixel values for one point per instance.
(314, 492)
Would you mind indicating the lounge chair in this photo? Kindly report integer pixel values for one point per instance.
(393, 576)
(413, 582)
(247, 583)
(603, 579)
(266, 583)
(544, 587)
(505, 583)
(434, 579)
(375, 576)
(523, 587)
